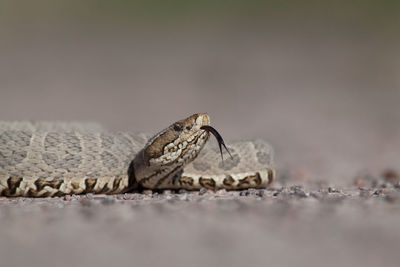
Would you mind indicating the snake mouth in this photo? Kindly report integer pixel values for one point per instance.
(219, 138)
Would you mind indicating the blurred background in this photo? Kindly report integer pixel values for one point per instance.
(318, 79)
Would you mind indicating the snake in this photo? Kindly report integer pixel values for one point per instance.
(55, 158)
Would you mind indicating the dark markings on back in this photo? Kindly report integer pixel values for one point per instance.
(31, 192)
(104, 190)
(207, 182)
(270, 176)
(184, 180)
(250, 179)
(12, 183)
(58, 194)
(45, 194)
(116, 183)
(90, 183)
(41, 183)
(75, 185)
(229, 181)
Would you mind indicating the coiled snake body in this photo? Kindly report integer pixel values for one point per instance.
(42, 159)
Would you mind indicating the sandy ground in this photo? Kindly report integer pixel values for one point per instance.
(288, 226)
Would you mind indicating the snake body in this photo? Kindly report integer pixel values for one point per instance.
(41, 159)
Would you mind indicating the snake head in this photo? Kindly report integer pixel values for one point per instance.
(182, 138)
(168, 151)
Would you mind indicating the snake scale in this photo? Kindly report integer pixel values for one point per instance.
(41, 159)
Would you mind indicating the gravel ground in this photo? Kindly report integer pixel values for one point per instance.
(311, 224)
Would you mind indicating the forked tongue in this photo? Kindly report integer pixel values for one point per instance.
(219, 139)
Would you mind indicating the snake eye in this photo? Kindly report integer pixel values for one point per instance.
(177, 127)
(188, 128)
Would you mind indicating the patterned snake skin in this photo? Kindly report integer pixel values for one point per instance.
(42, 159)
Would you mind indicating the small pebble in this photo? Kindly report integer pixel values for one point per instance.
(364, 193)
(333, 190)
(243, 193)
(203, 191)
(251, 191)
(261, 192)
(378, 192)
(221, 192)
(183, 196)
(280, 190)
(128, 196)
(148, 192)
(298, 192)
